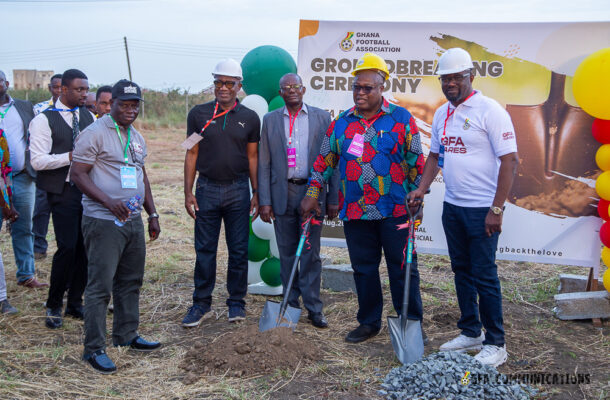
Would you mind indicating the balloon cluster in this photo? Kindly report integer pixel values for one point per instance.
(591, 86)
(262, 69)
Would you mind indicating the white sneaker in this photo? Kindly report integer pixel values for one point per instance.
(463, 343)
(492, 355)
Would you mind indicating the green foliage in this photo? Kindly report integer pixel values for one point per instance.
(161, 108)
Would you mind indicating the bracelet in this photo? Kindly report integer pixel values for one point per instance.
(153, 215)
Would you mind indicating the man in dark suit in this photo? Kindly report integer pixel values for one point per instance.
(290, 140)
(15, 117)
(52, 136)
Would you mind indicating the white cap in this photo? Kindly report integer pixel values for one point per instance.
(454, 60)
(228, 67)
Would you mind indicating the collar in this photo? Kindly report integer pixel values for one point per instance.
(234, 109)
(10, 101)
(106, 120)
(385, 108)
(303, 108)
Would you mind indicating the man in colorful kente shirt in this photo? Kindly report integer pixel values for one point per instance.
(8, 212)
(377, 148)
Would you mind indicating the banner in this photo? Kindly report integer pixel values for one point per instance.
(551, 214)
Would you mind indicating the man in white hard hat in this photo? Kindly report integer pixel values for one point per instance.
(377, 148)
(473, 141)
(224, 152)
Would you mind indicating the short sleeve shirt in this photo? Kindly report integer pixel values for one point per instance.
(478, 133)
(99, 145)
(223, 151)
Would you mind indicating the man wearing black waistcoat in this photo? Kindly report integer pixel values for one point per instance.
(52, 135)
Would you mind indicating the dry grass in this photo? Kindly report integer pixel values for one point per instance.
(37, 363)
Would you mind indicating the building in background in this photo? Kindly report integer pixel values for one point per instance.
(30, 79)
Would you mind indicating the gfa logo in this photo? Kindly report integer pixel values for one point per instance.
(452, 140)
(346, 43)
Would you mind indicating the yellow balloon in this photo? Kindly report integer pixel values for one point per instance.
(606, 279)
(591, 84)
(602, 157)
(606, 256)
(602, 185)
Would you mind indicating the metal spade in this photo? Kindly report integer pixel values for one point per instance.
(405, 333)
(552, 136)
(281, 314)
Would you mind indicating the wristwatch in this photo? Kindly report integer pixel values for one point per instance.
(153, 215)
(497, 210)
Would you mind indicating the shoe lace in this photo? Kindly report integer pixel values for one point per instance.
(488, 350)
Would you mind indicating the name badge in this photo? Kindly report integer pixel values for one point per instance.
(356, 147)
(291, 152)
(129, 179)
(441, 156)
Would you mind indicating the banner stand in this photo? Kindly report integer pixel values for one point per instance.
(592, 287)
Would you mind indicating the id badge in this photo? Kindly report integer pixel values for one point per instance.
(129, 178)
(356, 147)
(291, 152)
(441, 156)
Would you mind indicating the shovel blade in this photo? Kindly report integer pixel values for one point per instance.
(270, 318)
(408, 343)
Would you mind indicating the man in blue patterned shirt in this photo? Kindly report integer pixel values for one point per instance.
(377, 148)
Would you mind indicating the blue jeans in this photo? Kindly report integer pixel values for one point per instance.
(24, 196)
(473, 261)
(228, 202)
(40, 221)
(365, 240)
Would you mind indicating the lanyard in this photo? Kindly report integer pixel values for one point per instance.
(2, 114)
(214, 116)
(375, 118)
(118, 131)
(291, 122)
(63, 109)
(449, 114)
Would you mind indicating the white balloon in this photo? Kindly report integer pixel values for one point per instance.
(257, 104)
(254, 271)
(275, 252)
(263, 230)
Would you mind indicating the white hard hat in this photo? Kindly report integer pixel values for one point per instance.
(228, 67)
(454, 60)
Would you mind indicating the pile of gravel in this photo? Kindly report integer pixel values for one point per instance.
(440, 376)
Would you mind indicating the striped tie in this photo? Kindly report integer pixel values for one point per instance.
(75, 127)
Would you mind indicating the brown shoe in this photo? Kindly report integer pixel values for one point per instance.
(32, 283)
(40, 256)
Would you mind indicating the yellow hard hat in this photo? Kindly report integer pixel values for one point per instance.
(371, 61)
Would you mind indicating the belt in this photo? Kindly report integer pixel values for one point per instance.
(224, 181)
(297, 181)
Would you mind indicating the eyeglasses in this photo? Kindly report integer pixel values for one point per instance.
(445, 79)
(287, 88)
(365, 89)
(229, 84)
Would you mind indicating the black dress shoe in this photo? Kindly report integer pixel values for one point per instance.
(53, 320)
(75, 312)
(318, 320)
(361, 333)
(140, 344)
(100, 361)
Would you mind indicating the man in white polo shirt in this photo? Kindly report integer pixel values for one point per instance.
(473, 141)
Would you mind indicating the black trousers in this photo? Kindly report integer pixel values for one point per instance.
(69, 267)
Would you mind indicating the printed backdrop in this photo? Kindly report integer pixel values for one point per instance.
(550, 215)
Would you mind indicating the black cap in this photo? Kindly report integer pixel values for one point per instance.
(126, 90)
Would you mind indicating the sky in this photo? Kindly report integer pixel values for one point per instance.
(176, 43)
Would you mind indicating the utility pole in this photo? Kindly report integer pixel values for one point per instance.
(127, 54)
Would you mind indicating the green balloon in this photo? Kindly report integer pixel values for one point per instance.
(276, 102)
(270, 272)
(262, 69)
(257, 248)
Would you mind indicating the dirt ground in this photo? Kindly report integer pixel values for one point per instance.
(219, 360)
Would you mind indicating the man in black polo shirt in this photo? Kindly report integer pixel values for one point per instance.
(225, 155)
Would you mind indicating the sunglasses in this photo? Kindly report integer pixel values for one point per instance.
(365, 89)
(229, 84)
(456, 78)
(288, 87)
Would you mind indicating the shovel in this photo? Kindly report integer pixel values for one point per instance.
(281, 314)
(406, 334)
